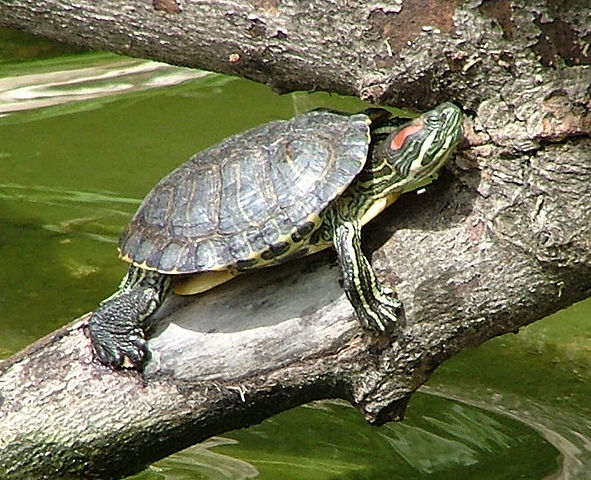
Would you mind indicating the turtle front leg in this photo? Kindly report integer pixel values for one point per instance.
(116, 327)
(376, 305)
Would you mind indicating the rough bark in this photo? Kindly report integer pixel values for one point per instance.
(502, 239)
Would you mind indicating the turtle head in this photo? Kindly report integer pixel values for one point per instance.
(417, 149)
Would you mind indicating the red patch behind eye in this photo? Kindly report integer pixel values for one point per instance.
(401, 136)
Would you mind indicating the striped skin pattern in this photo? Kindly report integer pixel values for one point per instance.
(376, 305)
(405, 156)
(266, 196)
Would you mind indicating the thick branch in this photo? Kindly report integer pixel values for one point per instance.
(502, 239)
(414, 53)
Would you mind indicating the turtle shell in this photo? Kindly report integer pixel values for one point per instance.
(249, 197)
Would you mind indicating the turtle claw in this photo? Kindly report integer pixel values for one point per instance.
(382, 311)
(115, 328)
(385, 313)
(122, 348)
(119, 352)
(387, 296)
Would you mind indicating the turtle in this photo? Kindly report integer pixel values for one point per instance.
(276, 192)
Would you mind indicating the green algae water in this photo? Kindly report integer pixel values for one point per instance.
(83, 138)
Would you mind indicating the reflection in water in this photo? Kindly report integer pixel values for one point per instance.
(104, 78)
(60, 196)
(566, 430)
(95, 206)
(211, 465)
(439, 440)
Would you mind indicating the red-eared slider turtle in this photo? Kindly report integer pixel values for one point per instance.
(262, 197)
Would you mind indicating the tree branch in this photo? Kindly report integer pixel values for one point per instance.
(500, 240)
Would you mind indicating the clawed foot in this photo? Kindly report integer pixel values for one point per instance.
(118, 346)
(115, 328)
(383, 311)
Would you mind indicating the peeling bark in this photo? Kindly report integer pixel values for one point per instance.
(502, 239)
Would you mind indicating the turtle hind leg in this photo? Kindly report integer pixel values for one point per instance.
(376, 305)
(116, 327)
